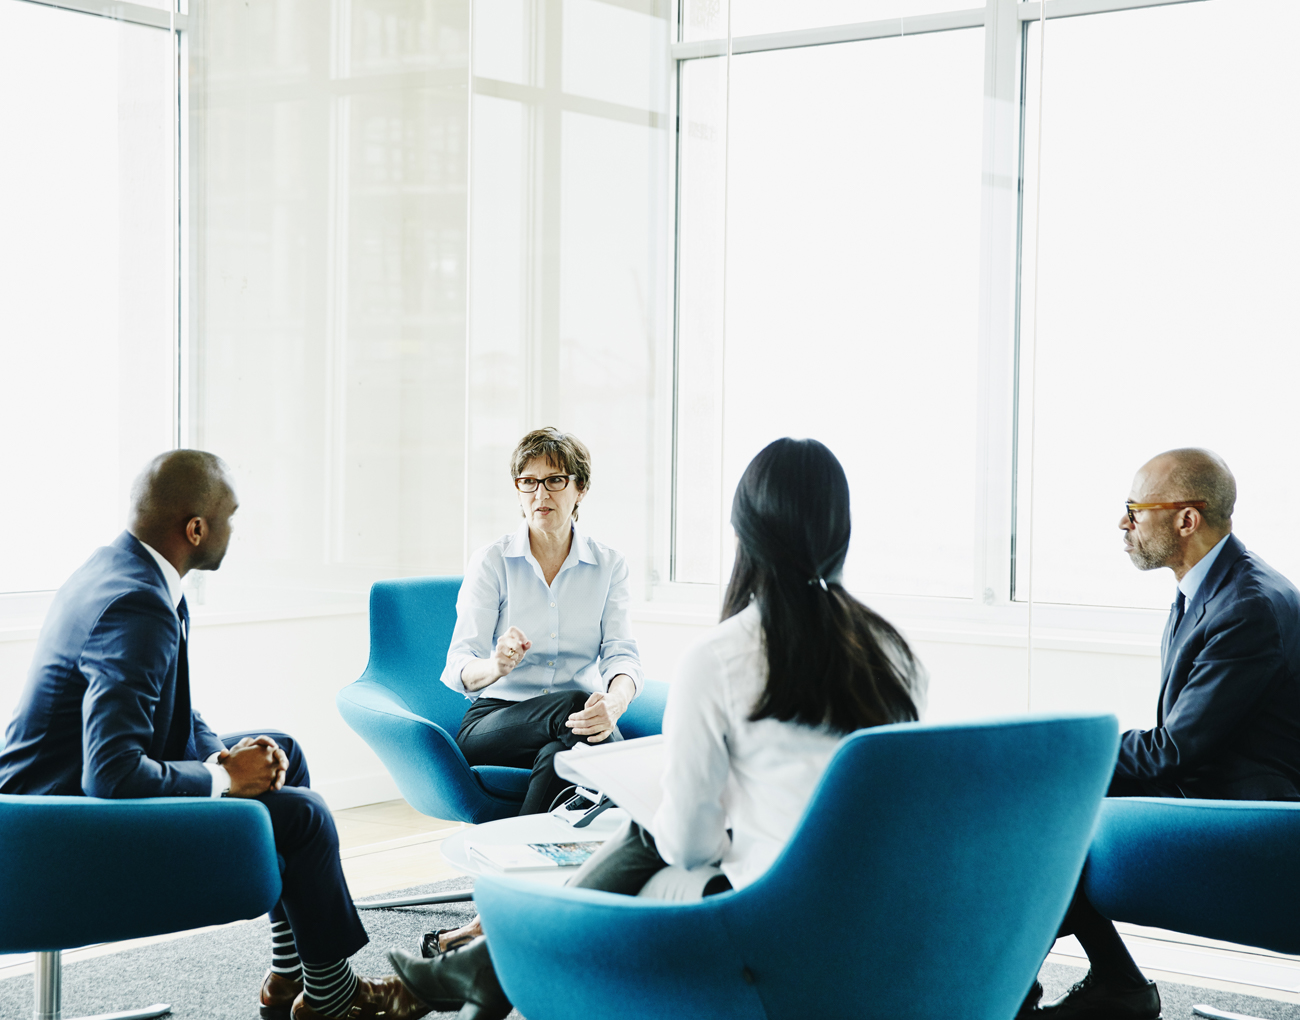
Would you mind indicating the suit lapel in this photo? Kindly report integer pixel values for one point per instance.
(1231, 552)
(171, 719)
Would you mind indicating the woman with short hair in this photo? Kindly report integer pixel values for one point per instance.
(754, 716)
(542, 643)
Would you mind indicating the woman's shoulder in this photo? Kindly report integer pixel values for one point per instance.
(736, 639)
(491, 556)
(596, 552)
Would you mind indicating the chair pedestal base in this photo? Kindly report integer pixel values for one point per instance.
(49, 994)
(417, 901)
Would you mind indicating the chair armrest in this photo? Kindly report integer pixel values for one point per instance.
(562, 953)
(423, 759)
(1215, 868)
(76, 870)
(645, 716)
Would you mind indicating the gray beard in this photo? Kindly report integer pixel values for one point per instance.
(1156, 552)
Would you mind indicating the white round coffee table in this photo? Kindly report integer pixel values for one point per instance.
(527, 829)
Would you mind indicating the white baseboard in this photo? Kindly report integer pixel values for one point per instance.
(373, 788)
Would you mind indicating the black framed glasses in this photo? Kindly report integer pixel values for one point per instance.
(553, 483)
(1187, 504)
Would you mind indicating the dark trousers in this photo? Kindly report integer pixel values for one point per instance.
(315, 898)
(524, 735)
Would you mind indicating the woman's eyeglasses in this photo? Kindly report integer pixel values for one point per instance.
(554, 483)
(1191, 504)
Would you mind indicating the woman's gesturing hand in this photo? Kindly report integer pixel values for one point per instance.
(510, 650)
(600, 714)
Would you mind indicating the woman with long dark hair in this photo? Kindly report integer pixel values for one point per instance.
(754, 716)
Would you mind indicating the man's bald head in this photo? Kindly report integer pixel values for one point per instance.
(176, 486)
(1193, 474)
(181, 506)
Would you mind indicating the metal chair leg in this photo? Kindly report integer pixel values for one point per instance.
(49, 994)
(1212, 1013)
(417, 901)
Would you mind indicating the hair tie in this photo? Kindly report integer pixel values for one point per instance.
(821, 581)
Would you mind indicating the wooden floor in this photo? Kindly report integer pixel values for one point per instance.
(391, 846)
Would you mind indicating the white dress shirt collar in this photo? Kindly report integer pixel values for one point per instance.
(1194, 578)
(170, 573)
(579, 551)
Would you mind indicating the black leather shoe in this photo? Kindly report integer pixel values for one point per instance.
(1093, 999)
(429, 944)
(1031, 1000)
(461, 978)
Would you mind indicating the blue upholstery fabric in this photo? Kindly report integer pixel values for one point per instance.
(76, 870)
(645, 716)
(401, 708)
(1221, 869)
(938, 862)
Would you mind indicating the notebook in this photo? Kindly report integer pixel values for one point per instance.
(628, 772)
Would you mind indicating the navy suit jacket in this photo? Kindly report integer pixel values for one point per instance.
(106, 709)
(1228, 721)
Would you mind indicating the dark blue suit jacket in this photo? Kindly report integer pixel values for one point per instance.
(106, 709)
(1228, 722)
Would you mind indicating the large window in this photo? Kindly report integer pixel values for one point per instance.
(88, 242)
(1167, 298)
(851, 291)
(992, 329)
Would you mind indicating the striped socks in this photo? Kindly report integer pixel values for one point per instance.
(284, 953)
(328, 987)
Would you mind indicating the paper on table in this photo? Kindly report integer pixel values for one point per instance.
(628, 772)
(534, 856)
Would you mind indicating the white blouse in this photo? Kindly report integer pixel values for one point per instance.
(722, 769)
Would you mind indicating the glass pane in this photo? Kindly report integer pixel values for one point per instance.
(701, 243)
(502, 319)
(617, 55)
(331, 266)
(702, 19)
(1167, 301)
(397, 35)
(758, 17)
(611, 288)
(851, 287)
(87, 344)
(502, 38)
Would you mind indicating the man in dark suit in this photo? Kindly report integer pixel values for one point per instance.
(106, 713)
(1228, 717)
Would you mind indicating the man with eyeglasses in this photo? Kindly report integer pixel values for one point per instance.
(1228, 716)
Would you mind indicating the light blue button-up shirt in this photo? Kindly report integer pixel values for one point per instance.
(1192, 580)
(578, 624)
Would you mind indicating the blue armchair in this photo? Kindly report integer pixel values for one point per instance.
(1220, 869)
(78, 870)
(403, 710)
(935, 861)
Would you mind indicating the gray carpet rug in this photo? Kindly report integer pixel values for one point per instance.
(215, 975)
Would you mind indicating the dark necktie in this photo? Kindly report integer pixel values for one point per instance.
(178, 733)
(1171, 628)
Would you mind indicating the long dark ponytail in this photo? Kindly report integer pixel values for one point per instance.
(831, 660)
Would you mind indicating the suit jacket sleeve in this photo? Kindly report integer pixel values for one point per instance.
(1242, 657)
(127, 660)
(206, 742)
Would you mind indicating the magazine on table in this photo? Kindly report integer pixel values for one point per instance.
(533, 856)
(628, 772)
